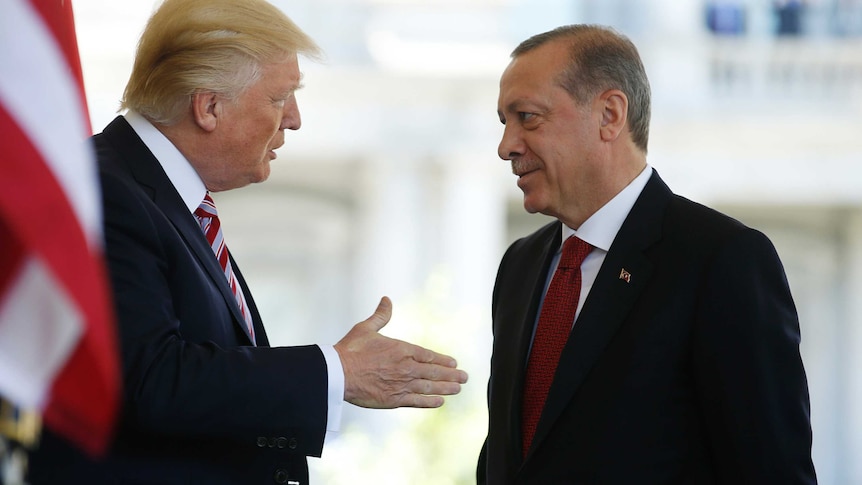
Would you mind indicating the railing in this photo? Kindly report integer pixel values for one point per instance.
(783, 68)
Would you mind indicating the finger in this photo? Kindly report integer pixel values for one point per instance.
(381, 315)
(439, 373)
(434, 388)
(421, 401)
(426, 356)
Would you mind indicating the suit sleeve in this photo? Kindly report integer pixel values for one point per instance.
(490, 463)
(203, 390)
(748, 371)
(482, 462)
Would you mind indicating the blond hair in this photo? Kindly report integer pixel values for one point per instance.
(219, 46)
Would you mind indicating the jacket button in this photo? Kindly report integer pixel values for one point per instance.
(292, 444)
(261, 442)
(280, 476)
(271, 443)
(281, 442)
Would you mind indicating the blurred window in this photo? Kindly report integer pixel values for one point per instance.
(725, 17)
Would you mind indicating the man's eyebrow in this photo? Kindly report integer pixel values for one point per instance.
(299, 84)
(512, 106)
(525, 104)
(289, 92)
(518, 104)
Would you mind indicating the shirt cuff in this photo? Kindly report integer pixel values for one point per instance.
(335, 396)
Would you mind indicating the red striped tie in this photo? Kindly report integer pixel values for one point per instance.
(207, 217)
(552, 332)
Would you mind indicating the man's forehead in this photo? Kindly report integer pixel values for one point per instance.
(286, 71)
(521, 84)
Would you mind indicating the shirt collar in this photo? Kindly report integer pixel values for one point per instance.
(601, 228)
(178, 169)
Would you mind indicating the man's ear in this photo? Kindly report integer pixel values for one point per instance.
(615, 106)
(206, 110)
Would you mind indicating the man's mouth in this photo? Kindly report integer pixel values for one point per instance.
(272, 150)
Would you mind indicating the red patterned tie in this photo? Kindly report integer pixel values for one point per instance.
(207, 217)
(552, 331)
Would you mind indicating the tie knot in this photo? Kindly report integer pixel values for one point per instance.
(207, 207)
(575, 250)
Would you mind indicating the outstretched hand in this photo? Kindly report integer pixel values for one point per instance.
(381, 372)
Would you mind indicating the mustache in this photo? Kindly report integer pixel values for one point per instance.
(522, 166)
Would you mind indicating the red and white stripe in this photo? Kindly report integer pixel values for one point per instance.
(207, 216)
(57, 343)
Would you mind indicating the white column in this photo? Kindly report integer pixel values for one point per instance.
(472, 237)
(473, 224)
(853, 349)
(388, 239)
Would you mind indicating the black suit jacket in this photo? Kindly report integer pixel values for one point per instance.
(200, 403)
(688, 373)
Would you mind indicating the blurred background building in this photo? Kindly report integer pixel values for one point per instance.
(393, 187)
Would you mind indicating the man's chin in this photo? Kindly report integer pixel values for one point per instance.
(263, 175)
(530, 207)
(534, 207)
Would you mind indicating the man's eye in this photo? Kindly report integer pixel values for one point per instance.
(524, 116)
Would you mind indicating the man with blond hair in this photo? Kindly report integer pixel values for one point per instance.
(206, 399)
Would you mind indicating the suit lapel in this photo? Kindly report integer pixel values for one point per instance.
(609, 302)
(516, 299)
(148, 172)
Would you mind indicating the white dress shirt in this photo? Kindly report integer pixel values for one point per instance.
(192, 190)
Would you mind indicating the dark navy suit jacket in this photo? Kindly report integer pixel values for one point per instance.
(200, 403)
(687, 372)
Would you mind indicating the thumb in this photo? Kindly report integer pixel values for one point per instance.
(381, 315)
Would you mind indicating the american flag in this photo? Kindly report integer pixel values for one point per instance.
(58, 353)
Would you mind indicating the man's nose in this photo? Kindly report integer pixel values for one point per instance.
(291, 120)
(511, 145)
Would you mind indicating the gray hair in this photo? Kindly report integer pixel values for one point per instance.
(601, 59)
